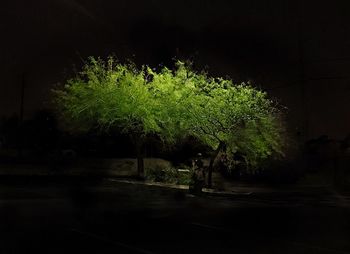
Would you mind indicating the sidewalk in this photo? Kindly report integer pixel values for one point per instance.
(241, 189)
(124, 176)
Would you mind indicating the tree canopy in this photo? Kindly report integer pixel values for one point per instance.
(173, 104)
(220, 114)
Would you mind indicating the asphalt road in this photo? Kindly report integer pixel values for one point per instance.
(100, 216)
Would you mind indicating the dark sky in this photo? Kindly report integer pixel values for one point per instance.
(299, 51)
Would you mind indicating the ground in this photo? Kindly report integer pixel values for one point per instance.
(75, 215)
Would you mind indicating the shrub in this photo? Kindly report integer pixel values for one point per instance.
(168, 175)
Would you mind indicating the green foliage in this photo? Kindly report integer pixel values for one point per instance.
(173, 104)
(108, 95)
(260, 140)
(168, 175)
(215, 110)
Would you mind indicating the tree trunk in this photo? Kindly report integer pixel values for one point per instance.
(140, 160)
(211, 163)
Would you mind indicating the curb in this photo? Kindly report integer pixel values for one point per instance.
(206, 191)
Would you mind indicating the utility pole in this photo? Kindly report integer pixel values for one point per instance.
(302, 76)
(21, 113)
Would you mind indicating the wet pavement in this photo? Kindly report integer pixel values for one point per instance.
(78, 215)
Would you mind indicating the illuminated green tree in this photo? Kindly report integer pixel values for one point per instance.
(172, 104)
(110, 95)
(238, 118)
(220, 114)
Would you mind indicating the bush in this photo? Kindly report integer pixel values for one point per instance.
(168, 175)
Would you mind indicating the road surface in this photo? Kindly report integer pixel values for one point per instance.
(102, 216)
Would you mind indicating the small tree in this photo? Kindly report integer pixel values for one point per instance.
(220, 114)
(173, 105)
(110, 95)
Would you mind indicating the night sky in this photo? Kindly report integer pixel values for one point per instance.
(299, 51)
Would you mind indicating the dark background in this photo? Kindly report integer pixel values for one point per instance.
(299, 51)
